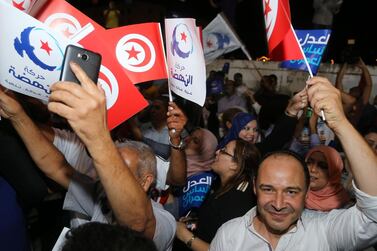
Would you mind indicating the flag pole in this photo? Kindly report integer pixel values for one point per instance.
(307, 66)
(243, 47)
(167, 73)
(303, 54)
(166, 65)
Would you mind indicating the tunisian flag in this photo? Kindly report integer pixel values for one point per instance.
(139, 50)
(123, 100)
(282, 41)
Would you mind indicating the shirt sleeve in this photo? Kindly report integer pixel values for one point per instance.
(80, 195)
(165, 228)
(355, 227)
(219, 242)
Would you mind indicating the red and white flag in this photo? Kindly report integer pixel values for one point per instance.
(187, 71)
(282, 41)
(122, 97)
(62, 17)
(139, 50)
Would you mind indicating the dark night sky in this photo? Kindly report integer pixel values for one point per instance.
(355, 20)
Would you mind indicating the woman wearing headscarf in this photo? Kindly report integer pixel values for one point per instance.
(245, 127)
(200, 151)
(326, 191)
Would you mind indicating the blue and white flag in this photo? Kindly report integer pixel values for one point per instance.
(185, 59)
(219, 38)
(31, 54)
(195, 191)
(313, 43)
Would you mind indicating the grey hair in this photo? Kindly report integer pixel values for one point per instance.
(147, 159)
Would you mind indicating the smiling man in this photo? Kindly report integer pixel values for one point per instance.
(280, 222)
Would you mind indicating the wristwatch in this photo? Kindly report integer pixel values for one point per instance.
(189, 242)
(180, 146)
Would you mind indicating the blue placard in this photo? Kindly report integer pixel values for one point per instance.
(313, 43)
(195, 191)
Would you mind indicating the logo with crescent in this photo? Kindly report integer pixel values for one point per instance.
(181, 44)
(64, 23)
(136, 53)
(40, 47)
(109, 84)
(270, 8)
(217, 41)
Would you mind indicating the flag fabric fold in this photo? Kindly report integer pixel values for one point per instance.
(62, 22)
(281, 38)
(219, 38)
(31, 53)
(185, 60)
(313, 43)
(139, 50)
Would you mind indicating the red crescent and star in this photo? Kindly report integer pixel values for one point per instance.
(133, 53)
(67, 33)
(267, 8)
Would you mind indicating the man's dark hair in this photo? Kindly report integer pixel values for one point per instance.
(95, 236)
(289, 154)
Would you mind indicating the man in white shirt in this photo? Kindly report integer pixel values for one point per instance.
(122, 182)
(279, 221)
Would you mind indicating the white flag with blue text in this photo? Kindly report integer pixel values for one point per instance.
(31, 54)
(185, 59)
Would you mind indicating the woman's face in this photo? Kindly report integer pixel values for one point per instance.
(319, 171)
(250, 132)
(224, 161)
(193, 142)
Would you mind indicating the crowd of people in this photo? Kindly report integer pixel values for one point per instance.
(249, 171)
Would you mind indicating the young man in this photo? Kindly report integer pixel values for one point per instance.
(279, 221)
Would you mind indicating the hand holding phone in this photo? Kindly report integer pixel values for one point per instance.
(88, 60)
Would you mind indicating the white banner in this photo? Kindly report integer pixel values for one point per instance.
(31, 54)
(185, 59)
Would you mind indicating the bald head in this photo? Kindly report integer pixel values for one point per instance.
(140, 158)
(289, 160)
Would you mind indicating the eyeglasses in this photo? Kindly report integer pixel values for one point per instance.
(222, 151)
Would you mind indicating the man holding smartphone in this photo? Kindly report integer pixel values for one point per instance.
(84, 107)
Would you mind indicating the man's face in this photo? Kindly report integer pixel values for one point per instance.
(158, 111)
(229, 88)
(281, 190)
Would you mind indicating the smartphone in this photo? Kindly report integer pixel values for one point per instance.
(89, 61)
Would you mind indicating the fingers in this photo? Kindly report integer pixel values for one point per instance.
(61, 109)
(85, 81)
